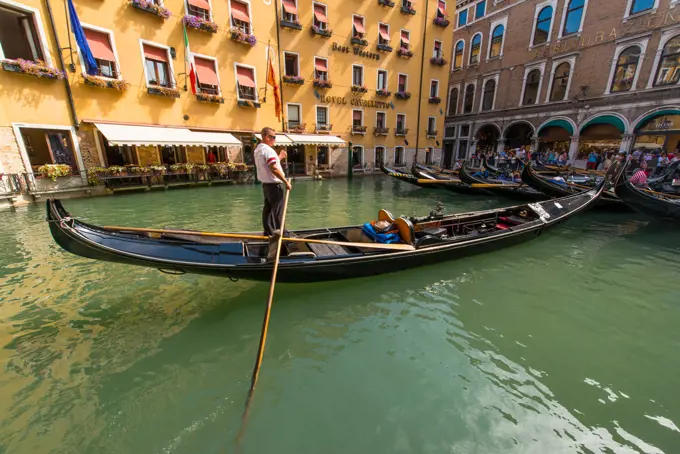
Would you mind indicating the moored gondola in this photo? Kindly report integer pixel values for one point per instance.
(345, 252)
(553, 188)
(652, 203)
(450, 183)
(511, 190)
(401, 176)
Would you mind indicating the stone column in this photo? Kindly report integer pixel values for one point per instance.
(535, 143)
(573, 150)
(472, 150)
(500, 145)
(627, 143)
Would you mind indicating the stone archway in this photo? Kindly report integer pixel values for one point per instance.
(487, 137)
(518, 134)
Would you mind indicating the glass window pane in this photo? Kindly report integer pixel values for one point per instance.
(668, 72)
(641, 5)
(462, 18)
(574, 15)
(480, 10)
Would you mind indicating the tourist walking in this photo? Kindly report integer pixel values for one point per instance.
(270, 173)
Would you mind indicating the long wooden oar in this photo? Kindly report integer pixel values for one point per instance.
(481, 185)
(395, 247)
(439, 182)
(265, 326)
(660, 194)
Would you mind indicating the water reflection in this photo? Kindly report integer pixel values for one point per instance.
(565, 344)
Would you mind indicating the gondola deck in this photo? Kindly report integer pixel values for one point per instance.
(434, 239)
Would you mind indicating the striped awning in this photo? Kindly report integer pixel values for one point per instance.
(315, 139)
(281, 140)
(152, 135)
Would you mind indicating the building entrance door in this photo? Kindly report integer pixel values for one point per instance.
(448, 155)
(296, 160)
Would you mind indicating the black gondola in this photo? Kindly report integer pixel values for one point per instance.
(496, 187)
(434, 239)
(401, 176)
(450, 183)
(554, 189)
(651, 203)
(664, 182)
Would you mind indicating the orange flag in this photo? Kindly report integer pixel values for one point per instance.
(271, 80)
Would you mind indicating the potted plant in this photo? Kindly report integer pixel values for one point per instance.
(105, 82)
(293, 80)
(408, 9)
(169, 92)
(291, 24)
(387, 3)
(198, 23)
(150, 7)
(158, 170)
(441, 21)
(404, 52)
(325, 32)
(435, 100)
(359, 41)
(36, 68)
(438, 61)
(322, 83)
(237, 35)
(403, 95)
(117, 170)
(382, 92)
(359, 89)
(207, 97)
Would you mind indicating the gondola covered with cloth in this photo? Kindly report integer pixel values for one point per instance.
(332, 254)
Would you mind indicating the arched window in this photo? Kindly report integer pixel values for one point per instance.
(489, 93)
(475, 46)
(543, 23)
(560, 82)
(668, 72)
(626, 67)
(572, 24)
(497, 41)
(453, 102)
(469, 98)
(458, 57)
(531, 88)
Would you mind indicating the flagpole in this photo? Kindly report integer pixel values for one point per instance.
(269, 50)
(278, 57)
(185, 57)
(72, 67)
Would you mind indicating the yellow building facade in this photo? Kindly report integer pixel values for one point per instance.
(360, 82)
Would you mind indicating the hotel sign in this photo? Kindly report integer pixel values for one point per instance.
(356, 51)
(342, 101)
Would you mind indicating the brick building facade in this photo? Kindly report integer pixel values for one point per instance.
(564, 74)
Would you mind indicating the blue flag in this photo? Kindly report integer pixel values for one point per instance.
(90, 63)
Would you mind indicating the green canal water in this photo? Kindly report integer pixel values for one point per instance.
(565, 344)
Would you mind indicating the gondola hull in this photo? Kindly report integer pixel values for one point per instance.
(520, 193)
(530, 177)
(237, 259)
(401, 176)
(647, 203)
(449, 183)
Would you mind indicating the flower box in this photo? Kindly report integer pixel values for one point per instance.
(384, 47)
(246, 103)
(357, 41)
(163, 91)
(237, 35)
(55, 171)
(320, 83)
(441, 21)
(402, 95)
(383, 93)
(327, 33)
(386, 3)
(293, 80)
(199, 23)
(406, 53)
(408, 10)
(293, 25)
(400, 132)
(359, 130)
(32, 68)
(324, 127)
(104, 82)
(150, 7)
(380, 131)
(438, 61)
(206, 97)
(431, 134)
(359, 89)
(435, 100)
(182, 168)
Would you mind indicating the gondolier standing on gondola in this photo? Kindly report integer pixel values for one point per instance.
(270, 173)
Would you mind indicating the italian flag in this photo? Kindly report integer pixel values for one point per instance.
(189, 62)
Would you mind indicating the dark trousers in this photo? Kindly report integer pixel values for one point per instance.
(273, 207)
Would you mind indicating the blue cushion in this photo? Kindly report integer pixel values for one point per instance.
(384, 238)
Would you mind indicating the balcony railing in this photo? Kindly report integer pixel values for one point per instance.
(384, 47)
(388, 3)
(296, 126)
(400, 132)
(359, 41)
(323, 127)
(358, 129)
(293, 24)
(381, 131)
(431, 133)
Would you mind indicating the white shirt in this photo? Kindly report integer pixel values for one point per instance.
(264, 156)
